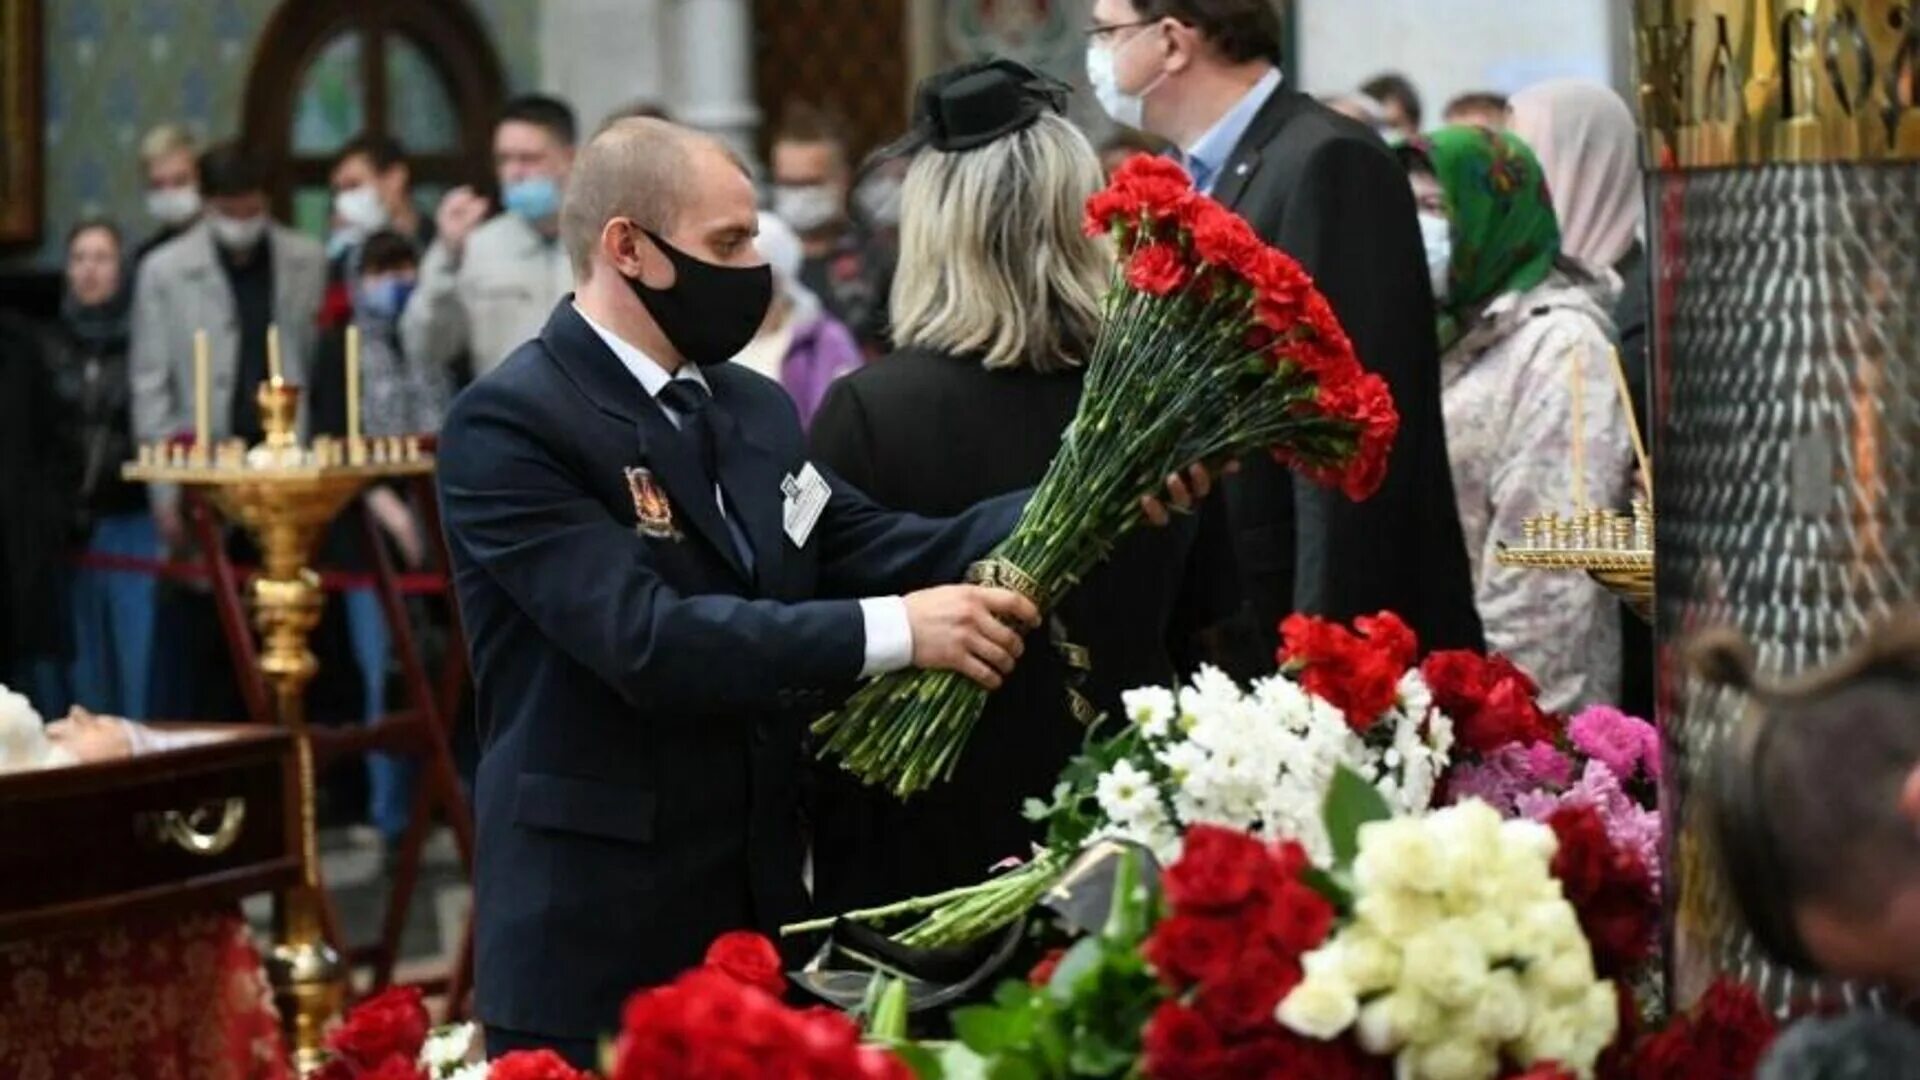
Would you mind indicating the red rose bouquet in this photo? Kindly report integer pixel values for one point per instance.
(1214, 346)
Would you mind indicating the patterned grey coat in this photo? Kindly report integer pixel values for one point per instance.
(1508, 393)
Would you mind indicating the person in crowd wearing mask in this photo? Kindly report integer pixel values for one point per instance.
(1525, 335)
(1585, 137)
(486, 287)
(1477, 108)
(801, 345)
(811, 165)
(398, 396)
(1203, 74)
(1358, 106)
(1399, 102)
(996, 308)
(1125, 142)
(113, 610)
(169, 159)
(1814, 802)
(373, 190)
(659, 589)
(233, 274)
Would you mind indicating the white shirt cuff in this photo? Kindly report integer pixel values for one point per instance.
(889, 635)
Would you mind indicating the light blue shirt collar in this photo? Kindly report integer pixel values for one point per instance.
(1207, 157)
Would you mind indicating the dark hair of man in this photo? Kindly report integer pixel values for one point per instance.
(1393, 87)
(87, 225)
(1241, 30)
(542, 111)
(1807, 791)
(228, 169)
(1477, 101)
(387, 250)
(383, 152)
(1133, 141)
(805, 122)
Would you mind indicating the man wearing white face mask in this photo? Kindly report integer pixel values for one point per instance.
(233, 274)
(844, 263)
(1205, 76)
(373, 190)
(488, 283)
(169, 164)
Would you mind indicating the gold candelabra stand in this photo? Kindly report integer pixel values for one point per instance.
(1615, 549)
(284, 495)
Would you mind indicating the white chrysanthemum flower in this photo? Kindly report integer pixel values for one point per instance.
(1126, 794)
(1152, 709)
(447, 1047)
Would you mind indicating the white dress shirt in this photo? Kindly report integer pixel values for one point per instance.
(889, 634)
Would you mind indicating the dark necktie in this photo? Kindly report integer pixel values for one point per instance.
(689, 400)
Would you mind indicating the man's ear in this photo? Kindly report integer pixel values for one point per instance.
(1180, 45)
(632, 255)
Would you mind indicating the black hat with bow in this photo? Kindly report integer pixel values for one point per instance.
(969, 106)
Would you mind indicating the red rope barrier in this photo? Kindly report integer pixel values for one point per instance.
(417, 584)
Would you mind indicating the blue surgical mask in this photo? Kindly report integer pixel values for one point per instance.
(535, 199)
(382, 298)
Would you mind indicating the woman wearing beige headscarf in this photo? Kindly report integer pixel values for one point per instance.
(1585, 138)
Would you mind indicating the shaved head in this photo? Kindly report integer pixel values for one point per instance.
(641, 169)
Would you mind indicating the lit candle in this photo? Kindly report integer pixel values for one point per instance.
(273, 353)
(202, 392)
(353, 384)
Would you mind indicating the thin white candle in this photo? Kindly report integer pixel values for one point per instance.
(353, 383)
(273, 354)
(202, 391)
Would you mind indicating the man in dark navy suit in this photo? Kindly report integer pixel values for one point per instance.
(644, 559)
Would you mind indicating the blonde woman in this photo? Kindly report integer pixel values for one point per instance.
(995, 306)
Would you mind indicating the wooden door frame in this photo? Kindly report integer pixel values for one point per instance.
(449, 35)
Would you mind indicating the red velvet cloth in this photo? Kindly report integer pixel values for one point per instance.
(179, 999)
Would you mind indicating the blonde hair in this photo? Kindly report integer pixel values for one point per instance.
(992, 256)
(164, 140)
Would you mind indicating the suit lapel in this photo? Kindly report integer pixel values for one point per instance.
(751, 478)
(671, 457)
(1247, 157)
(587, 361)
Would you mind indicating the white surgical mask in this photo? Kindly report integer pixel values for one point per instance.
(1103, 75)
(237, 234)
(174, 205)
(807, 207)
(360, 208)
(1436, 232)
(879, 200)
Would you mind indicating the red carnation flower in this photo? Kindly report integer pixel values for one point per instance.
(1042, 972)
(1368, 404)
(1723, 1038)
(396, 1067)
(1547, 1070)
(533, 1065)
(1218, 869)
(1490, 700)
(1609, 889)
(1243, 1001)
(1179, 1044)
(1158, 269)
(1192, 948)
(1359, 676)
(392, 1023)
(1223, 238)
(748, 958)
(1298, 918)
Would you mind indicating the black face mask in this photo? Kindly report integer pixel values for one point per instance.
(711, 312)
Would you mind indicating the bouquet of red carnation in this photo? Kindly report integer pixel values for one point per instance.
(724, 1019)
(1214, 346)
(1239, 919)
(1723, 1037)
(1360, 672)
(1492, 702)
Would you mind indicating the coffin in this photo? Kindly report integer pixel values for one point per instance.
(160, 833)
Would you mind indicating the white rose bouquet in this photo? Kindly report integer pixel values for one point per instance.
(1462, 953)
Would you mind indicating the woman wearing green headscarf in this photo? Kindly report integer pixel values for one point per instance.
(1525, 335)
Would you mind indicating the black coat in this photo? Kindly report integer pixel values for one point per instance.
(39, 469)
(1325, 190)
(641, 695)
(934, 433)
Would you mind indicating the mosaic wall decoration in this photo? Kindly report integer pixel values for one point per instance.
(115, 68)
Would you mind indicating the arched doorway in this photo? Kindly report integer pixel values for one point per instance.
(423, 72)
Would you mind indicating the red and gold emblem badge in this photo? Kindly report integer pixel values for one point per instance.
(653, 514)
